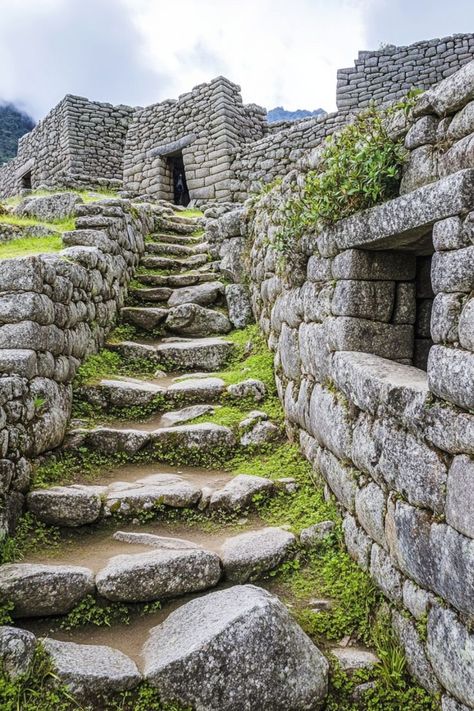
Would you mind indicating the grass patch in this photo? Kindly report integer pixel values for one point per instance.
(30, 534)
(190, 212)
(26, 246)
(64, 225)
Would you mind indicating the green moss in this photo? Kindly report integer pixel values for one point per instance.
(97, 366)
(60, 225)
(26, 246)
(190, 212)
(30, 534)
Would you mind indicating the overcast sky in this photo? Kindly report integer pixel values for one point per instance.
(282, 52)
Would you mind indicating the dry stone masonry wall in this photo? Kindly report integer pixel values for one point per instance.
(228, 149)
(55, 309)
(357, 307)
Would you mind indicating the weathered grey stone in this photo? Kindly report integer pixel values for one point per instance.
(449, 429)
(109, 441)
(261, 433)
(238, 493)
(371, 300)
(150, 539)
(195, 320)
(451, 375)
(196, 389)
(434, 555)
(17, 648)
(423, 131)
(205, 654)
(448, 234)
(146, 318)
(232, 262)
(289, 352)
(202, 294)
(146, 494)
(417, 661)
(121, 392)
(351, 659)
(450, 94)
(250, 388)
(340, 478)
(445, 316)
(357, 542)
(387, 577)
(458, 156)
(416, 600)
(37, 590)
(91, 672)
(453, 271)
(238, 305)
(65, 505)
(462, 123)
(379, 265)
(466, 326)
(460, 495)
(450, 649)
(314, 350)
(205, 436)
(185, 414)
(331, 423)
(420, 169)
(393, 341)
(450, 704)
(248, 555)
(370, 511)
(158, 574)
(411, 467)
(200, 354)
(312, 536)
(56, 206)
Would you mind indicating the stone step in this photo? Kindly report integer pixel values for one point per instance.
(206, 437)
(177, 225)
(176, 239)
(131, 392)
(203, 294)
(188, 319)
(209, 354)
(196, 260)
(178, 250)
(174, 281)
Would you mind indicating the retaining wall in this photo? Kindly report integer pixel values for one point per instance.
(54, 310)
(355, 308)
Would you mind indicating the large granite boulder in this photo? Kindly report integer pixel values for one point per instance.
(248, 555)
(56, 206)
(158, 574)
(239, 306)
(37, 590)
(92, 672)
(203, 294)
(235, 649)
(145, 494)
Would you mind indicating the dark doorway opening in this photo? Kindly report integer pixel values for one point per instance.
(180, 187)
(26, 181)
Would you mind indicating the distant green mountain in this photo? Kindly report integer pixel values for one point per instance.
(281, 114)
(13, 124)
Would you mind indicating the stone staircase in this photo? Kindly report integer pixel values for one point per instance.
(200, 652)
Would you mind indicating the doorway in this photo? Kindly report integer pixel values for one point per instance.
(178, 177)
(26, 181)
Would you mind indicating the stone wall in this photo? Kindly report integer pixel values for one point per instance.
(389, 73)
(394, 444)
(205, 125)
(54, 310)
(80, 142)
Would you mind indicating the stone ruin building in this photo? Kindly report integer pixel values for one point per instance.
(371, 327)
(222, 148)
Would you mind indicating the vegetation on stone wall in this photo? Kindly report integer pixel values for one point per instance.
(13, 124)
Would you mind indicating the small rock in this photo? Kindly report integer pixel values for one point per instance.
(202, 294)
(361, 689)
(235, 649)
(37, 590)
(287, 484)
(194, 320)
(320, 605)
(313, 535)
(261, 433)
(149, 539)
(250, 388)
(238, 493)
(158, 574)
(91, 671)
(205, 500)
(159, 374)
(353, 658)
(252, 418)
(177, 417)
(250, 554)
(17, 648)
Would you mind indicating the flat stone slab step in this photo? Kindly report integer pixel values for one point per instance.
(203, 294)
(174, 281)
(176, 239)
(209, 354)
(177, 250)
(251, 554)
(154, 262)
(188, 319)
(157, 293)
(177, 225)
(38, 590)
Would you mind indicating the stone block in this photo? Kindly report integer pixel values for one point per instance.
(421, 169)
(340, 478)
(422, 132)
(466, 326)
(453, 271)
(449, 95)
(358, 543)
(462, 123)
(445, 315)
(460, 495)
(416, 599)
(387, 577)
(371, 300)
(387, 340)
(289, 352)
(331, 422)
(458, 157)
(450, 648)
(378, 266)
(405, 303)
(370, 511)
(451, 375)
(314, 351)
(418, 664)
(448, 234)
